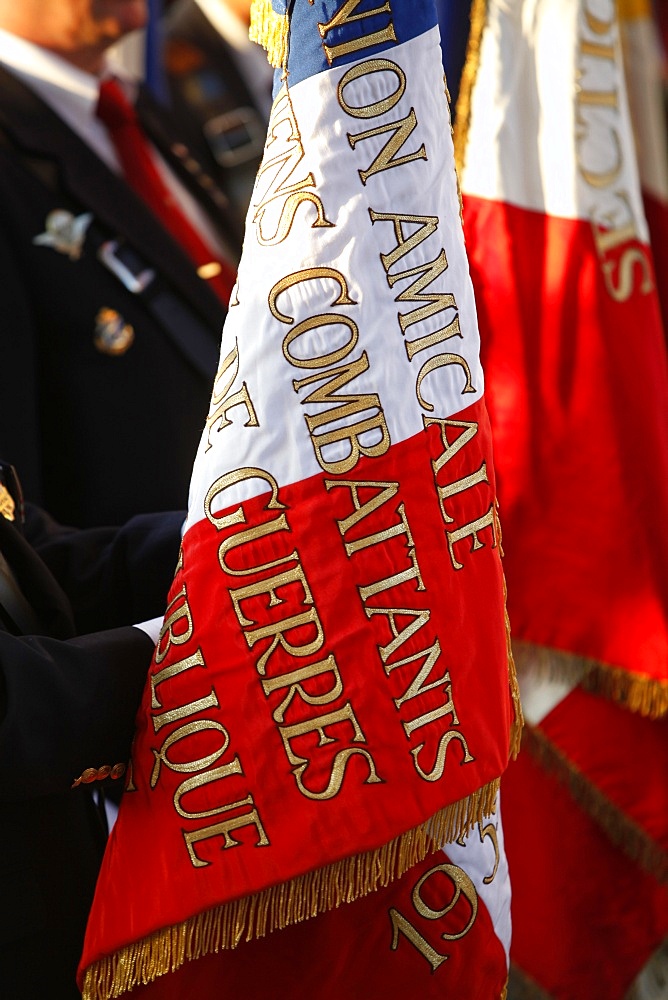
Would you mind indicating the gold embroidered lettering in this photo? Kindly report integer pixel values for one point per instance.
(450, 448)
(278, 194)
(386, 159)
(419, 617)
(317, 323)
(365, 69)
(337, 774)
(344, 16)
(308, 274)
(294, 681)
(252, 534)
(178, 611)
(427, 226)
(458, 487)
(463, 886)
(270, 586)
(433, 364)
(385, 492)
(222, 403)
(207, 778)
(439, 764)
(232, 479)
(180, 734)
(471, 531)
(224, 830)
(279, 630)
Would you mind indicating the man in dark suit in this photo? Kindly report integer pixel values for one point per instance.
(220, 79)
(67, 708)
(109, 330)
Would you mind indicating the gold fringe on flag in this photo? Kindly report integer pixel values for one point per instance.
(467, 82)
(623, 831)
(282, 905)
(636, 692)
(270, 30)
(630, 10)
(518, 721)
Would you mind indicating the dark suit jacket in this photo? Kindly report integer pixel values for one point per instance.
(207, 86)
(67, 704)
(98, 436)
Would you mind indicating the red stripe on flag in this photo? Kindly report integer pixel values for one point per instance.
(410, 715)
(576, 387)
(428, 935)
(622, 754)
(585, 917)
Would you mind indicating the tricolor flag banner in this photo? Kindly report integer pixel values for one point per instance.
(443, 927)
(566, 294)
(602, 913)
(332, 699)
(592, 778)
(572, 342)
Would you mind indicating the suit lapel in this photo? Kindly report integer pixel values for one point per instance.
(192, 174)
(38, 131)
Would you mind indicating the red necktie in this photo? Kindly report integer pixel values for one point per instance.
(139, 169)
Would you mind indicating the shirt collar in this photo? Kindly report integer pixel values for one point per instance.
(65, 87)
(69, 91)
(45, 71)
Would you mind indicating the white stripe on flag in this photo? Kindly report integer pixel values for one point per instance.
(546, 120)
(313, 117)
(477, 854)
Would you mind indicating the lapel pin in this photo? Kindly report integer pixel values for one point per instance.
(65, 232)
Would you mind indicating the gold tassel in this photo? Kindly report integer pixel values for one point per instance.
(270, 30)
(285, 904)
(518, 721)
(620, 828)
(630, 10)
(467, 82)
(636, 692)
(640, 694)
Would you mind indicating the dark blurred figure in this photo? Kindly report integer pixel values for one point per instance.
(217, 76)
(67, 708)
(116, 264)
(454, 17)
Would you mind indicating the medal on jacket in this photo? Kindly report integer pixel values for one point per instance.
(65, 232)
(7, 505)
(113, 335)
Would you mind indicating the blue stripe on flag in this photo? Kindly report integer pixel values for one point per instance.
(454, 17)
(404, 19)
